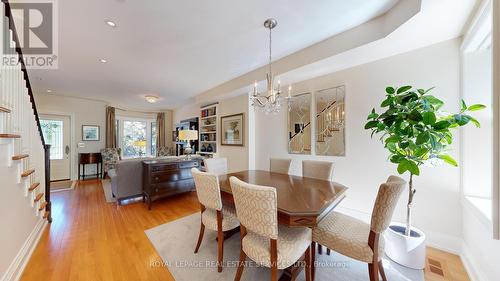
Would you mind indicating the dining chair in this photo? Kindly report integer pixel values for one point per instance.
(214, 215)
(322, 170)
(216, 166)
(357, 239)
(281, 166)
(262, 239)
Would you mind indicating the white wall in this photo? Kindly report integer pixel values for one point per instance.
(83, 112)
(237, 156)
(437, 208)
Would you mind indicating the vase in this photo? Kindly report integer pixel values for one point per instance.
(405, 250)
(210, 148)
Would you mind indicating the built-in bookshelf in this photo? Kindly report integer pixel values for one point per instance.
(208, 131)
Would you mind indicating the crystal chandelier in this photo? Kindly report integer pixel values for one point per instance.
(270, 100)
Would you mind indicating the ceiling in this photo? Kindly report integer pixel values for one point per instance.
(179, 49)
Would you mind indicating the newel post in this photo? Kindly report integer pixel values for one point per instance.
(48, 208)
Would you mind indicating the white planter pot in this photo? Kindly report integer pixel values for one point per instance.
(405, 250)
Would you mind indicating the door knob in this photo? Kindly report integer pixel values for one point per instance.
(66, 149)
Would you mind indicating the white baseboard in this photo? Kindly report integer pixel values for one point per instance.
(471, 265)
(17, 266)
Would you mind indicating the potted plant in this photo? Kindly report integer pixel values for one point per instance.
(415, 132)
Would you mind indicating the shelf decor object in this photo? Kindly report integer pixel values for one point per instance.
(232, 127)
(270, 100)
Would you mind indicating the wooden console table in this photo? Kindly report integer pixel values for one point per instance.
(163, 178)
(89, 158)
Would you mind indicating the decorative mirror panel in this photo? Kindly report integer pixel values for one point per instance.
(330, 122)
(299, 124)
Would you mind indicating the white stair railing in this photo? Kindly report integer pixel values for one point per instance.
(19, 124)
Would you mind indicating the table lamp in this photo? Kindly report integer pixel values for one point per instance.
(188, 135)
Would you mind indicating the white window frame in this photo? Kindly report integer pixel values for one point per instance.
(148, 121)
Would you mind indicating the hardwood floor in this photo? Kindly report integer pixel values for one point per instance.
(90, 239)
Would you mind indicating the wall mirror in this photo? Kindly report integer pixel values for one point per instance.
(330, 121)
(299, 124)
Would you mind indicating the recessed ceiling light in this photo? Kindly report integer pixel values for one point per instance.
(151, 99)
(49, 91)
(111, 23)
(103, 60)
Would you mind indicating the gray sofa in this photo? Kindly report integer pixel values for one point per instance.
(126, 179)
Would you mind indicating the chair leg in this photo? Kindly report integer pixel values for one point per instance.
(241, 265)
(373, 271)
(308, 263)
(220, 241)
(274, 260)
(381, 269)
(313, 260)
(200, 238)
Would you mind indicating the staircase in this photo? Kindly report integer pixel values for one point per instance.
(27, 157)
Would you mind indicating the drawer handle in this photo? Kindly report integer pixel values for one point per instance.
(157, 178)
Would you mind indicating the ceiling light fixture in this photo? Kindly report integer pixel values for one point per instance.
(111, 23)
(270, 100)
(151, 99)
(49, 91)
(103, 60)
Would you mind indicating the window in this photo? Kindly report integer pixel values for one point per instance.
(136, 136)
(53, 134)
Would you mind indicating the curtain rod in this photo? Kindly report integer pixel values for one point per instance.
(146, 112)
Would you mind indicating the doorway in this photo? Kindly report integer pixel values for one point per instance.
(57, 132)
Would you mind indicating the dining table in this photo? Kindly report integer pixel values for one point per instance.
(302, 201)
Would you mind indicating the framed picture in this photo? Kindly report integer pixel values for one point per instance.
(232, 130)
(90, 133)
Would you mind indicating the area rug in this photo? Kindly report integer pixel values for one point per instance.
(175, 242)
(108, 193)
(61, 185)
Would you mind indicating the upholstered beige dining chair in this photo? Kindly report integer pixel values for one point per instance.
(216, 166)
(262, 240)
(214, 215)
(357, 239)
(281, 166)
(322, 170)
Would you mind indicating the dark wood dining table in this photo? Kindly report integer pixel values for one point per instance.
(302, 202)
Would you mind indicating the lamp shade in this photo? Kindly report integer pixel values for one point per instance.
(187, 135)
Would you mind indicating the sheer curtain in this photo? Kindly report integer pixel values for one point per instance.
(110, 127)
(160, 130)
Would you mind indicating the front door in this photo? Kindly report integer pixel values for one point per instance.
(56, 131)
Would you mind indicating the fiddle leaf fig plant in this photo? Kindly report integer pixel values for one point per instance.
(416, 132)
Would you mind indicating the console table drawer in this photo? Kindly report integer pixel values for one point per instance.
(164, 167)
(174, 175)
(188, 165)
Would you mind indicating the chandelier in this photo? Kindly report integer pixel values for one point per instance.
(270, 100)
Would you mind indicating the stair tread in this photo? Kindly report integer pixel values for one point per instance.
(4, 109)
(9, 136)
(42, 206)
(38, 197)
(46, 215)
(20, 156)
(27, 173)
(34, 186)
